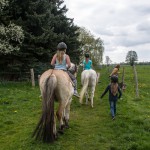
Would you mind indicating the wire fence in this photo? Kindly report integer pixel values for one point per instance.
(6, 77)
(18, 76)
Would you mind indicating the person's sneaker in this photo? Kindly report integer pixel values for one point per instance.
(113, 118)
(76, 94)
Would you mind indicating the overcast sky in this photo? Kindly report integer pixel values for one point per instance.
(123, 25)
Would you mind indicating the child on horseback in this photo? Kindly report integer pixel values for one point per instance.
(113, 89)
(61, 61)
(87, 63)
(115, 71)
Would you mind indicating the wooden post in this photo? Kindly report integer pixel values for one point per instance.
(123, 76)
(136, 81)
(32, 77)
(123, 85)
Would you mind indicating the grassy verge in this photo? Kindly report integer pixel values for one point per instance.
(91, 129)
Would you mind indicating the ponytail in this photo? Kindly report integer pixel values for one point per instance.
(114, 88)
(60, 55)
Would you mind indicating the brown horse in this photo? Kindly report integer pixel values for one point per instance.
(54, 84)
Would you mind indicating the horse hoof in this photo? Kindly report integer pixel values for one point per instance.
(61, 131)
(56, 136)
(67, 126)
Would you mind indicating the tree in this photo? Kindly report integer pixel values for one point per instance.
(92, 45)
(131, 57)
(11, 35)
(45, 25)
(97, 52)
(108, 60)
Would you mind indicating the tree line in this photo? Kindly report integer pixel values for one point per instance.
(30, 31)
(43, 25)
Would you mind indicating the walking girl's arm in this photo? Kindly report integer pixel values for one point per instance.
(106, 90)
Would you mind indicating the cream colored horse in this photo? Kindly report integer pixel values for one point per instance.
(54, 84)
(89, 79)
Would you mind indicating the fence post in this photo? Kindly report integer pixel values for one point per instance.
(136, 81)
(123, 76)
(123, 86)
(32, 77)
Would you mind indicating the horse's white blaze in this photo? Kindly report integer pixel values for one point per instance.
(89, 79)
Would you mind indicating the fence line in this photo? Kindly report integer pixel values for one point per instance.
(18, 76)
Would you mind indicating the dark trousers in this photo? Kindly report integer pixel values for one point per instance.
(73, 78)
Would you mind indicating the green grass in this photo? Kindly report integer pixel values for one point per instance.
(90, 128)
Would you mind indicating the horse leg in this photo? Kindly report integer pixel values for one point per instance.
(59, 114)
(92, 95)
(87, 96)
(67, 113)
(54, 128)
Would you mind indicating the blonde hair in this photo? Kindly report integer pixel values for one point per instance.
(60, 55)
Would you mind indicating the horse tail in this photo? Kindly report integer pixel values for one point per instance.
(45, 127)
(84, 88)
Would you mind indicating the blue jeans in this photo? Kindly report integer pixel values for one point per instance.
(113, 107)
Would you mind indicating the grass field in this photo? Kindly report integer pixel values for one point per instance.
(90, 128)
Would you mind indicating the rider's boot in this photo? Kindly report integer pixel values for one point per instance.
(75, 89)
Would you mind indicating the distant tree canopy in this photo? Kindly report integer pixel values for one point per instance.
(131, 57)
(43, 24)
(108, 60)
(92, 45)
(11, 35)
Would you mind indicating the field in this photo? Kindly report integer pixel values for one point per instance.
(90, 128)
